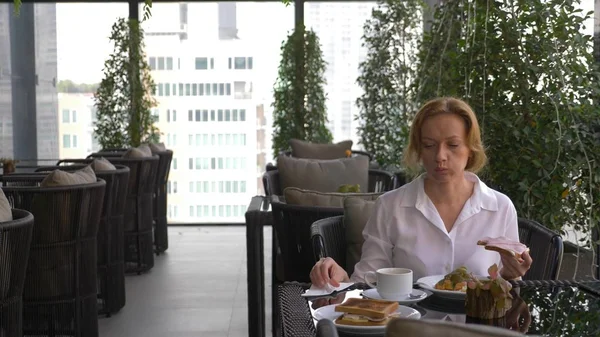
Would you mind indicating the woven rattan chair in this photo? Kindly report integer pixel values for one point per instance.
(138, 217)
(111, 265)
(161, 234)
(59, 296)
(15, 242)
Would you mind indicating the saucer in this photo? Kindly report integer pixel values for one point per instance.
(404, 299)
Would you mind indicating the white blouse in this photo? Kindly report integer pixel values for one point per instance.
(406, 230)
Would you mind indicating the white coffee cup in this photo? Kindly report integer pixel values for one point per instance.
(392, 283)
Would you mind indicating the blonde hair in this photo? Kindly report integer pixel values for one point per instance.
(446, 105)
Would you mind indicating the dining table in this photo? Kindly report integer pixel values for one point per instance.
(543, 308)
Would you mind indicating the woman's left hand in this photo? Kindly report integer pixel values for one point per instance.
(512, 267)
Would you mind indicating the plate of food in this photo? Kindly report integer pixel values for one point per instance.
(364, 315)
(452, 285)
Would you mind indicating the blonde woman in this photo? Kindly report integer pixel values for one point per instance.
(432, 224)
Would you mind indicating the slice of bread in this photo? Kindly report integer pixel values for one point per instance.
(504, 245)
(375, 309)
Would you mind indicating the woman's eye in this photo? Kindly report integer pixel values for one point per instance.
(453, 145)
(427, 146)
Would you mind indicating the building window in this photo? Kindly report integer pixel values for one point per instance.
(239, 63)
(169, 63)
(66, 116)
(242, 90)
(160, 89)
(207, 88)
(228, 89)
(249, 63)
(66, 141)
(180, 89)
(190, 116)
(161, 63)
(187, 89)
(191, 163)
(74, 114)
(152, 63)
(242, 115)
(74, 142)
(167, 89)
(198, 115)
(200, 89)
(201, 63)
(212, 63)
(174, 115)
(174, 164)
(194, 89)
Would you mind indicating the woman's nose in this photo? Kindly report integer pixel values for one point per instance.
(441, 154)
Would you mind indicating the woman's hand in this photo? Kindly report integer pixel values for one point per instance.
(518, 311)
(512, 267)
(327, 271)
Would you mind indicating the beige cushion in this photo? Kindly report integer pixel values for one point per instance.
(297, 196)
(405, 327)
(63, 178)
(5, 209)
(136, 153)
(356, 214)
(160, 147)
(323, 175)
(102, 164)
(303, 149)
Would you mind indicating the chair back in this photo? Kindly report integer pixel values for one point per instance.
(110, 241)
(60, 287)
(139, 219)
(293, 235)
(15, 242)
(329, 239)
(546, 250)
(161, 239)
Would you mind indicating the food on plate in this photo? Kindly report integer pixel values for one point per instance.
(365, 312)
(504, 244)
(455, 281)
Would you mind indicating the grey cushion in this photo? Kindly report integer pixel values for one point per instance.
(298, 196)
(405, 327)
(63, 178)
(102, 164)
(159, 147)
(146, 149)
(303, 149)
(5, 209)
(356, 214)
(323, 175)
(137, 153)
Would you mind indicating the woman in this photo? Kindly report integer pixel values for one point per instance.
(432, 224)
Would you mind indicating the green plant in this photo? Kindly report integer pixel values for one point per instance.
(299, 98)
(346, 188)
(391, 38)
(528, 71)
(124, 98)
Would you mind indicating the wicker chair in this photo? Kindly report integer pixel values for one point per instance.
(59, 296)
(111, 266)
(161, 234)
(138, 217)
(546, 247)
(379, 181)
(15, 242)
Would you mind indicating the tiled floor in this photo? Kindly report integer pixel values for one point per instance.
(197, 288)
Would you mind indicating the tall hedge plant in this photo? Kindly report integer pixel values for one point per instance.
(299, 105)
(125, 96)
(528, 71)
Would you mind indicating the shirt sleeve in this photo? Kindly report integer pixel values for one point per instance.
(377, 247)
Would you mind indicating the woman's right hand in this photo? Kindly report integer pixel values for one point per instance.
(327, 271)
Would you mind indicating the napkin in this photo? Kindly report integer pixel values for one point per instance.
(314, 291)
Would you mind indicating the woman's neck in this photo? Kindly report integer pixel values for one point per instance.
(451, 192)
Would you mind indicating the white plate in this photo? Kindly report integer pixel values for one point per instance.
(373, 294)
(328, 312)
(428, 283)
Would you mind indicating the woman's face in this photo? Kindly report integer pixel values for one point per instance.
(444, 150)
